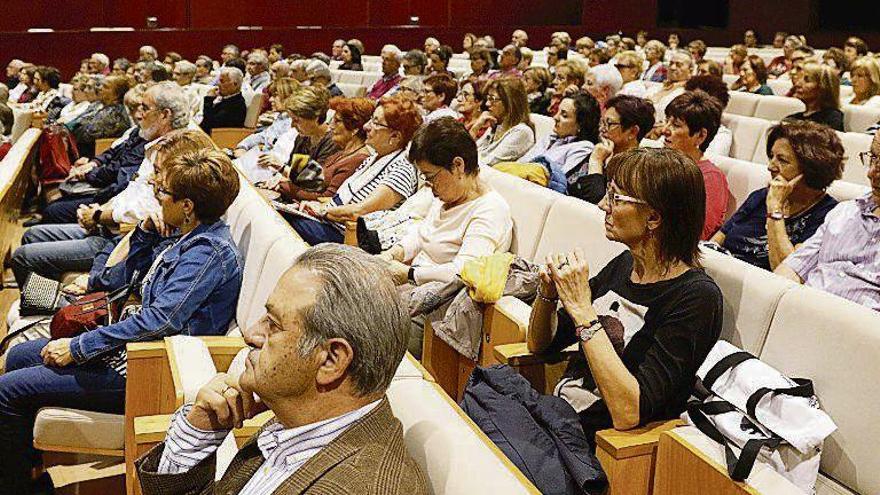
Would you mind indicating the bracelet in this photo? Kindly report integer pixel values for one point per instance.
(545, 298)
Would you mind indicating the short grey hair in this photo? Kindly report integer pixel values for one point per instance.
(168, 95)
(100, 57)
(260, 59)
(361, 305)
(316, 68)
(607, 76)
(150, 49)
(185, 67)
(300, 64)
(392, 49)
(233, 72)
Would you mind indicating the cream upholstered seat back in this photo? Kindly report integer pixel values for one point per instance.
(751, 295)
(857, 118)
(742, 103)
(778, 107)
(529, 206)
(543, 126)
(281, 255)
(835, 343)
(574, 223)
(743, 177)
(853, 144)
(747, 133)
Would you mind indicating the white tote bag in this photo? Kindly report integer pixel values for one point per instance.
(760, 415)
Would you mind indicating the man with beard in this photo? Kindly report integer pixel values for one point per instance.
(52, 250)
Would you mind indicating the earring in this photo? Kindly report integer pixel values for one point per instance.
(187, 219)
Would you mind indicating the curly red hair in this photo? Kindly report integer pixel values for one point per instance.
(353, 113)
(402, 115)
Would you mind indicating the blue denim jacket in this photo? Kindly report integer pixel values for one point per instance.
(194, 291)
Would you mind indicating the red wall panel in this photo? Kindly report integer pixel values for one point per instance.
(20, 15)
(134, 13)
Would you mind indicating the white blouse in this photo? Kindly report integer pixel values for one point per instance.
(509, 147)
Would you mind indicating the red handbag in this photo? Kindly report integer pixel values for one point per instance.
(58, 151)
(89, 312)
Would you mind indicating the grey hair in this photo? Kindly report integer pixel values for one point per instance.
(361, 305)
(168, 95)
(392, 49)
(151, 49)
(234, 72)
(300, 64)
(608, 76)
(316, 68)
(185, 67)
(261, 59)
(100, 57)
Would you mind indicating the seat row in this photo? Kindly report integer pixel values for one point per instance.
(801, 331)
(750, 143)
(856, 118)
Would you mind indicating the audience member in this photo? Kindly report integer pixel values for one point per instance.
(693, 120)
(655, 53)
(855, 48)
(723, 140)
(603, 82)
(865, 76)
(627, 119)
(318, 74)
(257, 73)
(467, 43)
(279, 91)
(431, 45)
(276, 53)
(626, 354)
(226, 107)
(819, 89)
(78, 104)
(697, 49)
(230, 52)
(584, 46)
(110, 120)
(351, 58)
(680, 68)
(537, 83)
(336, 50)
(710, 68)
(836, 59)
(735, 58)
(629, 65)
(779, 39)
(469, 104)
(511, 133)
(7, 119)
(520, 38)
(508, 61)
(203, 70)
(178, 295)
(481, 65)
(439, 61)
(391, 59)
(381, 182)
(414, 63)
(147, 53)
(337, 338)
(12, 71)
(568, 78)
(750, 40)
(527, 57)
(782, 64)
(49, 100)
(575, 133)
(99, 64)
(438, 92)
(467, 219)
(753, 74)
(842, 256)
(805, 158)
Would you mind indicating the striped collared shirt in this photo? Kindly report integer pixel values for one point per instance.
(284, 450)
(843, 256)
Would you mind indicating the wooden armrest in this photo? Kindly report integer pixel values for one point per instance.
(152, 429)
(513, 311)
(518, 354)
(638, 441)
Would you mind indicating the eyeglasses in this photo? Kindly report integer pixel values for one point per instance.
(614, 199)
(493, 98)
(623, 66)
(376, 123)
(159, 191)
(869, 159)
(431, 178)
(608, 124)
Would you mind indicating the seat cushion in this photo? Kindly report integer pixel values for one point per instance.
(743, 177)
(742, 103)
(778, 107)
(857, 118)
(76, 429)
(853, 144)
(747, 132)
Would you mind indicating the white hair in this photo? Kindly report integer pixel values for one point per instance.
(608, 76)
(260, 59)
(317, 68)
(104, 60)
(168, 95)
(150, 49)
(300, 64)
(234, 73)
(185, 67)
(392, 49)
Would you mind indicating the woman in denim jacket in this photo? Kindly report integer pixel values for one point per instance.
(191, 288)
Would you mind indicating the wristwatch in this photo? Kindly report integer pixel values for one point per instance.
(586, 332)
(775, 215)
(96, 216)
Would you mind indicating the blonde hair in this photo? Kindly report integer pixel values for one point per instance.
(576, 71)
(631, 57)
(308, 102)
(283, 88)
(871, 67)
(828, 81)
(513, 96)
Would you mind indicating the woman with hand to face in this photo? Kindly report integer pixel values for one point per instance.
(511, 133)
(647, 320)
(805, 158)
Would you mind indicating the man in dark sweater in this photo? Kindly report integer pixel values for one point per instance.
(108, 172)
(225, 107)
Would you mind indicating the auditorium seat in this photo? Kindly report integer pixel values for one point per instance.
(747, 132)
(853, 144)
(780, 87)
(742, 103)
(857, 118)
(743, 177)
(352, 90)
(349, 76)
(21, 122)
(543, 126)
(777, 107)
